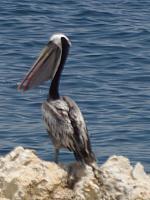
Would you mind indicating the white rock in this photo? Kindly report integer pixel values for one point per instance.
(23, 176)
(125, 182)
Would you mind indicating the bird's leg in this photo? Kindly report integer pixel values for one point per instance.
(56, 154)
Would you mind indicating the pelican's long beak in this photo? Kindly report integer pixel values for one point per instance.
(44, 68)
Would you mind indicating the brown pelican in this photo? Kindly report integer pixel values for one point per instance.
(63, 118)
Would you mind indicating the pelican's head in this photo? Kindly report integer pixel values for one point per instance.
(48, 62)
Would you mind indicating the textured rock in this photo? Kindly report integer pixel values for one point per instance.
(23, 176)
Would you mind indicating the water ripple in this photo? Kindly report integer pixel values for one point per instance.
(107, 73)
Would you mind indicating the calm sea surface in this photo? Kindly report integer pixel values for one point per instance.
(107, 73)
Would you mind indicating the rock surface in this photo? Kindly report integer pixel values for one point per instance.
(23, 176)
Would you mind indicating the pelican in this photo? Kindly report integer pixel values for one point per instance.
(62, 117)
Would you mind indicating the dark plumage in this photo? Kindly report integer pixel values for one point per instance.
(66, 127)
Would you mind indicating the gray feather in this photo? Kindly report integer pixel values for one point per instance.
(66, 127)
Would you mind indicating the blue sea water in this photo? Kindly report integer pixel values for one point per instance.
(107, 73)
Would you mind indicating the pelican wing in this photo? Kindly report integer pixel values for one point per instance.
(80, 138)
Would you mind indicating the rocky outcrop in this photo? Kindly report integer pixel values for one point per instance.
(23, 176)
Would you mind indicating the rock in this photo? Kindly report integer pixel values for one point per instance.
(23, 176)
(121, 181)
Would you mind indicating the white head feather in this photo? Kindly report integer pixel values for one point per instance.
(56, 38)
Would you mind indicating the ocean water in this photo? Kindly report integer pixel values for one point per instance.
(107, 73)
